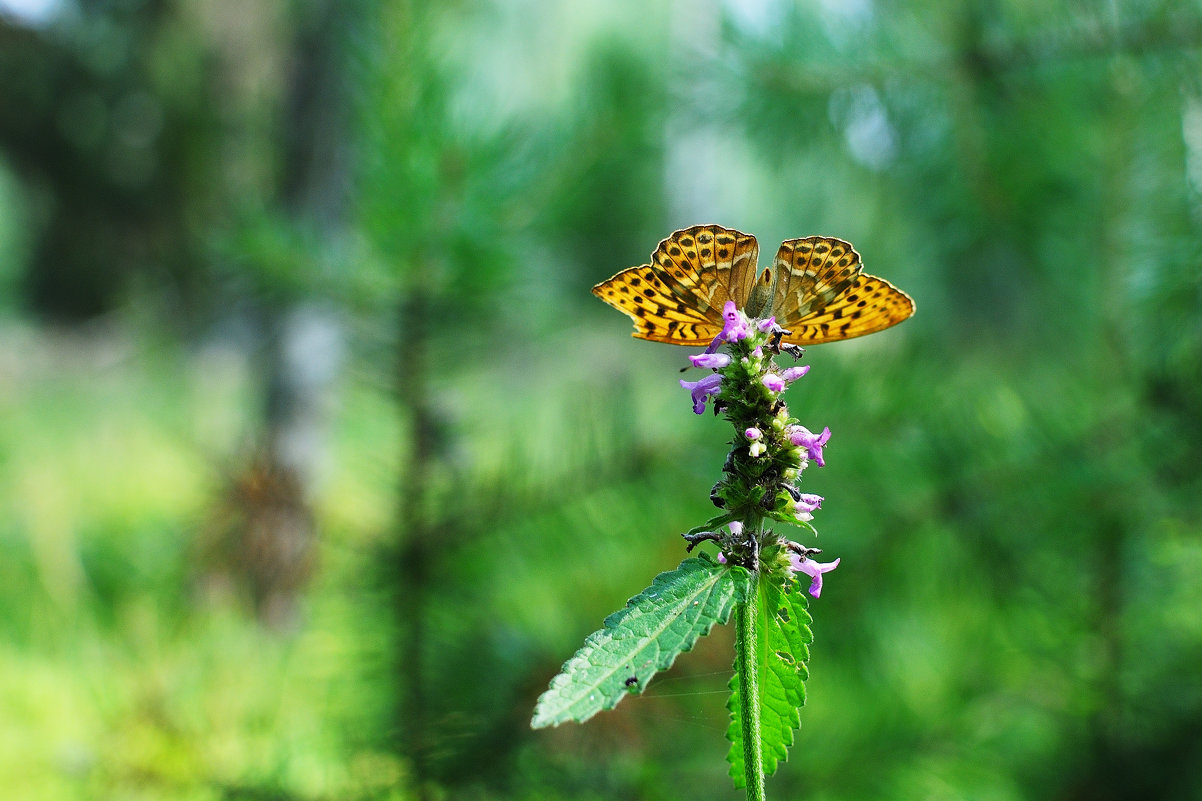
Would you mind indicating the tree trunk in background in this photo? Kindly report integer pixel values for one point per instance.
(414, 552)
(280, 541)
(276, 554)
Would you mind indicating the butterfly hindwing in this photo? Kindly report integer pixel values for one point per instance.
(810, 273)
(869, 305)
(709, 265)
(658, 313)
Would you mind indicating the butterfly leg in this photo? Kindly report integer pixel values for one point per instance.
(796, 351)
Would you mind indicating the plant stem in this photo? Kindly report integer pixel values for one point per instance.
(747, 650)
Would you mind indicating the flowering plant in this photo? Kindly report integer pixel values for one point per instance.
(754, 575)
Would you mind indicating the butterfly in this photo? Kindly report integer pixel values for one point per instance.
(815, 288)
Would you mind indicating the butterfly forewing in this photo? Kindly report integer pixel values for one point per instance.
(678, 297)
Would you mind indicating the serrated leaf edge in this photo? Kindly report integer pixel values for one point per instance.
(774, 752)
(612, 621)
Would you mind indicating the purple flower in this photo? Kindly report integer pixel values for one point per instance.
(805, 505)
(714, 360)
(810, 502)
(774, 382)
(802, 437)
(753, 433)
(766, 325)
(736, 324)
(702, 389)
(812, 569)
(794, 373)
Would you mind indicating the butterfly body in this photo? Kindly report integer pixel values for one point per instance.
(759, 302)
(815, 288)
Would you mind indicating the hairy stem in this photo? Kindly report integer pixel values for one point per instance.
(747, 650)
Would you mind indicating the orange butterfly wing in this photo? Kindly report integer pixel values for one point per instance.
(815, 288)
(869, 305)
(678, 297)
(821, 294)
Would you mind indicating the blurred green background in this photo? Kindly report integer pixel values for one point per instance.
(317, 457)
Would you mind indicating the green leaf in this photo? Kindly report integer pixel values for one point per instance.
(662, 621)
(713, 524)
(784, 635)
